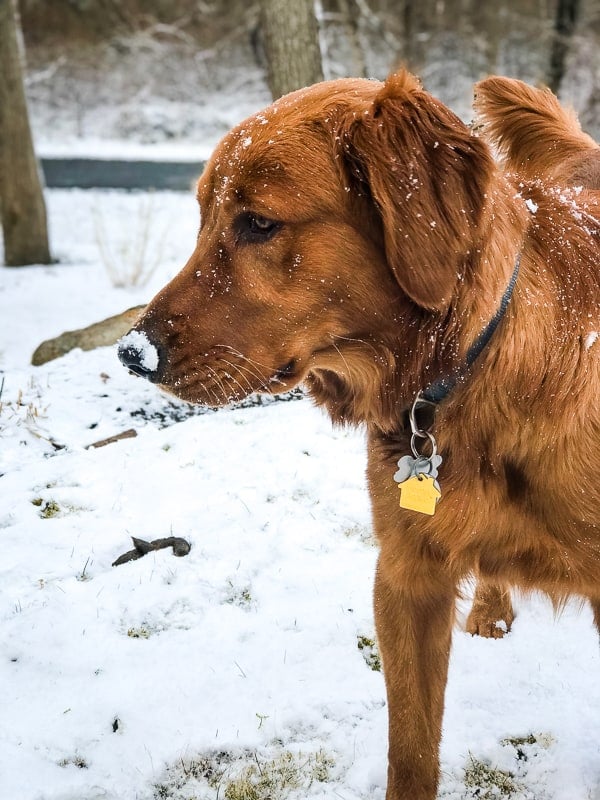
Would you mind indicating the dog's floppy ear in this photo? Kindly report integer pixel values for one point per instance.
(427, 175)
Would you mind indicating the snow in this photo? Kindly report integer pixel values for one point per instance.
(146, 351)
(115, 678)
(117, 149)
(590, 339)
(533, 207)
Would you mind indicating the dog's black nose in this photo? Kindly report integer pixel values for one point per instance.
(139, 355)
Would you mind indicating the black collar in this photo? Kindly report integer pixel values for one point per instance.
(440, 389)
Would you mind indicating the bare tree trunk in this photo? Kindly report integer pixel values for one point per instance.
(22, 206)
(292, 48)
(350, 12)
(567, 12)
(418, 24)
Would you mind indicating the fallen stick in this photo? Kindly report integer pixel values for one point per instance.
(128, 434)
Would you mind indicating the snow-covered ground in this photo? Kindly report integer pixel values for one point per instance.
(168, 677)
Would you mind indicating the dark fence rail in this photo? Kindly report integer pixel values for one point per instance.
(90, 173)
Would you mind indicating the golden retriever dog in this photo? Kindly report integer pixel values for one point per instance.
(357, 237)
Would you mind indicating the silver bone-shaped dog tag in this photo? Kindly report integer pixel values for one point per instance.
(408, 466)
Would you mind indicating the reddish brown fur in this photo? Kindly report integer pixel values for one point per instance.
(398, 235)
(541, 140)
(535, 135)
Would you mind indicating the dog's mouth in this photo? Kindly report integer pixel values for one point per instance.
(223, 383)
(284, 374)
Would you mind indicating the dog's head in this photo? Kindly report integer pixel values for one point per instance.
(331, 223)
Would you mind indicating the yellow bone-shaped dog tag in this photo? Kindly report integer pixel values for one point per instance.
(419, 493)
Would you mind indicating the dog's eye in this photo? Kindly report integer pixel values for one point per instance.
(254, 228)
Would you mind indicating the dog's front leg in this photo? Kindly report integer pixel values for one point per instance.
(414, 612)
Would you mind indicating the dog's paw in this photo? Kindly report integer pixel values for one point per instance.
(492, 613)
(481, 625)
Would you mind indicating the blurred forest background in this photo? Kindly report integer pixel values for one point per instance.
(165, 70)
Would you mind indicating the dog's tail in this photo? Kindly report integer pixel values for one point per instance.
(533, 133)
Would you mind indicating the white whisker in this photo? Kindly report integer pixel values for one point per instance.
(342, 357)
(365, 342)
(238, 354)
(259, 376)
(237, 368)
(215, 376)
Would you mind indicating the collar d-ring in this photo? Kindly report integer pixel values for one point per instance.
(423, 435)
(417, 432)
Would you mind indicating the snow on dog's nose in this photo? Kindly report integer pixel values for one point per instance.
(139, 355)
